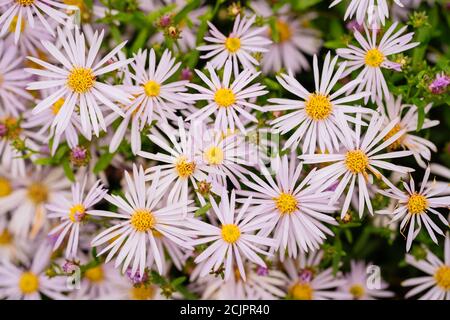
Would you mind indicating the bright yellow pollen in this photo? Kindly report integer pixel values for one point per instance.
(286, 203)
(77, 213)
(232, 44)
(224, 97)
(13, 25)
(57, 106)
(230, 233)
(25, 3)
(28, 283)
(284, 31)
(213, 155)
(5, 187)
(143, 292)
(38, 193)
(5, 238)
(357, 291)
(442, 277)
(184, 168)
(374, 58)
(417, 203)
(80, 80)
(152, 88)
(301, 291)
(318, 106)
(143, 220)
(397, 143)
(95, 274)
(356, 161)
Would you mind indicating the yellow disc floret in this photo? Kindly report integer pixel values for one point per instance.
(184, 168)
(442, 277)
(230, 233)
(232, 44)
(356, 161)
(5, 187)
(214, 155)
(5, 238)
(81, 80)
(301, 291)
(224, 97)
(318, 106)
(143, 220)
(152, 88)
(25, 3)
(77, 213)
(28, 282)
(95, 274)
(374, 58)
(286, 203)
(357, 291)
(143, 292)
(57, 106)
(38, 193)
(417, 203)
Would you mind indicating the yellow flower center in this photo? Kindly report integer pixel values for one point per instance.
(25, 3)
(442, 277)
(143, 220)
(374, 58)
(81, 80)
(301, 291)
(318, 106)
(232, 44)
(214, 155)
(5, 238)
(57, 106)
(38, 193)
(13, 128)
(152, 88)
(143, 292)
(13, 25)
(77, 213)
(286, 203)
(28, 283)
(357, 291)
(284, 31)
(230, 233)
(417, 203)
(224, 97)
(5, 187)
(397, 143)
(184, 168)
(356, 161)
(95, 274)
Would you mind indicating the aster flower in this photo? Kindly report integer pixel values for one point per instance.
(16, 144)
(238, 46)
(30, 283)
(414, 207)
(180, 168)
(320, 118)
(139, 220)
(376, 11)
(359, 159)
(409, 117)
(437, 280)
(227, 153)
(261, 284)
(27, 201)
(295, 39)
(307, 282)
(12, 247)
(13, 96)
(296, 213)
(72, 213)
(76, 82)
(226, 101)
(373, 55)
(233, 241)
(359, 285)
(29, 10)
(439, 84)
(154, 96)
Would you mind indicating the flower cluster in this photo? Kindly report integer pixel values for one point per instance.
(174, 149)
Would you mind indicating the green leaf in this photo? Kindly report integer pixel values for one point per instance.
(202, 211)
(68, 170)
(103, 162)
(44, 161)
(303, 4)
